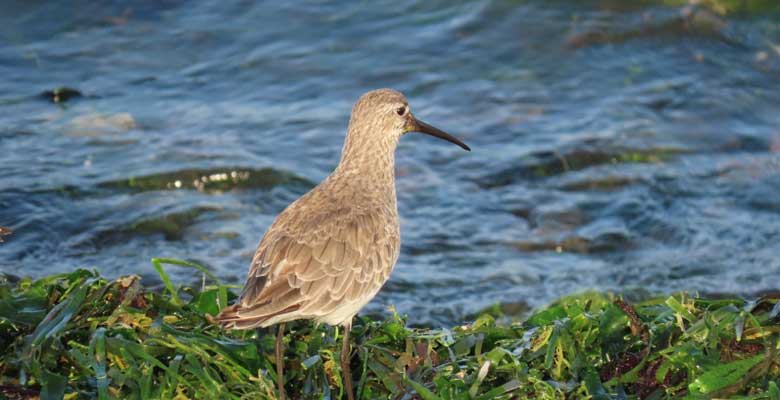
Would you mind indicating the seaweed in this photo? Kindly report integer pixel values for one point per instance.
(215, 180)
(80, 335)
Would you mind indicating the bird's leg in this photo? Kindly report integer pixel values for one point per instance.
(280, 360)
(345, 351)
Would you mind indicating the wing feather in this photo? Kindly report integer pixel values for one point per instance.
(312, 260)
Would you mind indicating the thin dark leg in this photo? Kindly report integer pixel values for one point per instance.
(345, 352)
(280, 360)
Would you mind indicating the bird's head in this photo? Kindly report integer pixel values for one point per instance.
(385, 112)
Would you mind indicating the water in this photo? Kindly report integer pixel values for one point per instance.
(615, 147)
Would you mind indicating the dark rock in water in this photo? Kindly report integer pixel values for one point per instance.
(4, 232)
(170, 225)
(61, 94)
(689, 22)
(604, 184)
(607, 242)
(209, 180)
(544, 164)
(9, 278)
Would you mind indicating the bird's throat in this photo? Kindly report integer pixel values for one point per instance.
(369, 160)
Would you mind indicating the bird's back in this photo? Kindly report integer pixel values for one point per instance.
(324, 257)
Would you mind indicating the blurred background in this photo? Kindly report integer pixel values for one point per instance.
(627, 146)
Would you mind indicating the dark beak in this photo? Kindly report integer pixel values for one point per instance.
(422, 127)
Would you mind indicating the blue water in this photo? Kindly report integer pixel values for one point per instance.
(617, 147)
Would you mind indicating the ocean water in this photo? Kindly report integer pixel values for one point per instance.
(626, 146)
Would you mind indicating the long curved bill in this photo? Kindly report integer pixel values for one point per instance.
(422, 127)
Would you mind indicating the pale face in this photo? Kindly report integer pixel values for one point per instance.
(386, 113)
(383, 111)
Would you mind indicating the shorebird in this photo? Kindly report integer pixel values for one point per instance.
(329, 252)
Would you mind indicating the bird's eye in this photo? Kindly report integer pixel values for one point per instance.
(401, 111)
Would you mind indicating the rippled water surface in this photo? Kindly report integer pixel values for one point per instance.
(614, 147)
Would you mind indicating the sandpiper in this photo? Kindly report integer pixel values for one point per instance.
(329, 252)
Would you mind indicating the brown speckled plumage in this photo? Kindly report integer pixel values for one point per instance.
(329, 252)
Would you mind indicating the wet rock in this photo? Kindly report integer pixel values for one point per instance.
(689, 21)
(747, 143)
(171, 226)
(605, 242)
(4, 232)
(550, 221)
(606, 183)
(545, 164)
(99, 125)
(570, 244)
(609, 242)
(61, 94)
(209, 180)
(522, 212)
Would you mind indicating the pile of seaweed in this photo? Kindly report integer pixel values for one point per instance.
(78, 335)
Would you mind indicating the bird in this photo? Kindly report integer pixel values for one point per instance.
(329, 252)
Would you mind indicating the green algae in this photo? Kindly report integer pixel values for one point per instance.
(171, 225)
(78, 335)
(546, 164)
(213, 180)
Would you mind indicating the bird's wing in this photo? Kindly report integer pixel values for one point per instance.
(315, 260)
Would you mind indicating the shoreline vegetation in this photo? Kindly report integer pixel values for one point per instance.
(78, 335)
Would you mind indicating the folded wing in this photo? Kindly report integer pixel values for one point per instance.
(315, 268)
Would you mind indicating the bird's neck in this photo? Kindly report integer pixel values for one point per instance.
(369, 162)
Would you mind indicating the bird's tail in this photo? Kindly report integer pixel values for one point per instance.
(229, 318)
(242, 317)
